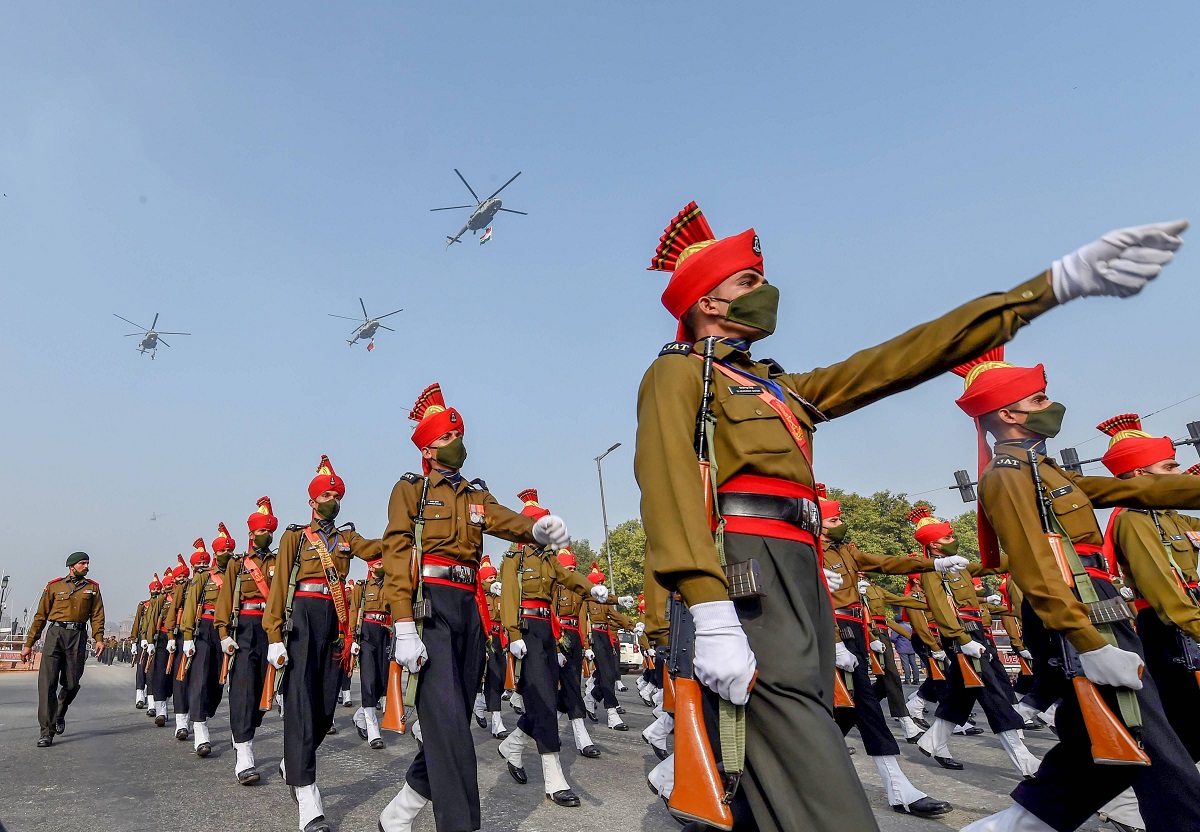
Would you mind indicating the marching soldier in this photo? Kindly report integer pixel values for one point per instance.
(177, 646)
(497, 652)
(139, 640)
(847, 561)
(67, 607)
(927, 645)
(241, 604)
(202, 644)
(761, 420)
(157, 634)
(347, 673)
(604, 620)
(1010, 615)
(1043, 517)
(432, 547)
(311, 608)
(374, 645)
(574, 646)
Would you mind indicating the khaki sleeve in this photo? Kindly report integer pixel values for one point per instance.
(39, 618)
(571, 579)
(224, 607)
(1145, 557)
(1151, 491)
(355, 605)
(902, 600)
(289, 548)
(925, 351)
(1012, 626)
(504, 523)
(510, 597)
(978, 570)
(620, 619)
(173, 609)
(98, 616)
(657, 629)
(137, 620)
(1007, 496)
(680, 552)
(397, 549)
(939, 607)
(920, 626)
(194, 589)
(890, 564)
(365, 548)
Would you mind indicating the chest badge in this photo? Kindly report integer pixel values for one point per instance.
(476, 513)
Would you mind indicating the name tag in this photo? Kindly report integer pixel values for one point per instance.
(434, 503)
(1058, 492)
(745, 390)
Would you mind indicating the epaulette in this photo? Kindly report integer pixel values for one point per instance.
(479, 484)
(510, 553)
(773, 366)
(1005, 461)
(411, 477)
(297, 527)
(94, 583)
(677, 348)
(346, 527)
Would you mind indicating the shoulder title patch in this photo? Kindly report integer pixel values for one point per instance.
(346, 527)
(1007, 462)
(411, 477)
(479, 484)
(296, 527)
(677, 348)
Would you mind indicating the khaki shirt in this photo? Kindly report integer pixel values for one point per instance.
(571, 603)
(848, 560)
(368, 597)
(138, 615)
(74, 600)
(343, 545)
(878, 600)
(172, 613)
(751, 439)
(542, 576)
(238, 577)
(202, 592)
(1007, 496)
(918, 616)
(605, 615)
(1147, 567)
(456, 518)
(962, 589)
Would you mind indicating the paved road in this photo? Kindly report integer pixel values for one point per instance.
(114, 771)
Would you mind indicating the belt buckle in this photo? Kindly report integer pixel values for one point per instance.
(461, 574)
(810, 516)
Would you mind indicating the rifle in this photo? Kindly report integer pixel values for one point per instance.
(362, 608)
(421, 610)
(273, 684)
(393, 704)
(876, 667)
(185, 664)
(841, 690)
(969, 667)
(1189, 650)
(175, 629)
(235, 614)
(510, 681)
(1112, 742)
(1026, 670)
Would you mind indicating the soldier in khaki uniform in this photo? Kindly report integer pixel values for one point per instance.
(761, 442)
(140, 644)
(157, 634)
(448, 656)
(181, 607)
(531, 577)
(604, 621)
(67, 606)
(1011, 404)
(488, 703)
(374, 647)
(201, 642)
(575, 647)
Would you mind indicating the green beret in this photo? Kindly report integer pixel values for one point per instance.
(75, 557)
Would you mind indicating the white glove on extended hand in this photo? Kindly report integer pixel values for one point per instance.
(189, 648)
(639, 628)
(994, 600)
(877, 645)
(552, 531)
(627, 601)
(171, 646)
(589, 655)
(277, 654)
(409, 650)
(1026, 655)
(562, 660)
(354, 648)
(940, 655)
(518, 648)
(833, 579)
(952, 564)
(1126, 593)
(863, 586)
(843, 658)
(497, 589)
(228, 645)
(1113, 666)
(723, 659)
(150, 649)
(1119, 263)
(974, 649)
(600, 593)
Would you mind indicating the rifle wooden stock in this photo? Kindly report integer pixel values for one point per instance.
(1112, 743)
(510, 682)
(668, 703)
(935, 671)
(170, 661)
(876, 667)
(1060, 557)
(1026, 670)
(969, 673)
(268, 691)
(699, 792)
(185, 664)
(841, 693)
(706, 484)
(393, 706)
(224, 669)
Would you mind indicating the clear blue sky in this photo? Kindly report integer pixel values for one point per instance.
(244, 169)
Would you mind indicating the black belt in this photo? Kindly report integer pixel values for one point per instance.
(799, 511)
(455, 574)
(851, 612)
(536, 612)
(319, 588)
(1094, 561)
(68, 625)
(570, 620)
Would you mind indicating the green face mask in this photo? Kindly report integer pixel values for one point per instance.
(452, 455)
(262, 541)
(223, 560)
(377, 572)
(758, 308)
(1047, 422)
(838, 533)
(950, 548)
(328, 510)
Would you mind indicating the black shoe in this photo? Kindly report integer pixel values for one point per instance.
(517, 773)
(565, 798)
(502, 735)
(332, 729)
(591, 715)
(973, 731)
(203, 749)
(507, 695)
(248, 776)
(60, 725)
(1031, 725)
(181, 734)
(348, 704)
(377, 743)
(914, 740)
(160, 720)
(362, 732)
(925, 807)
(660, 753)
(1121, 827)
(139, 705)
(621, 727)
(620, 710)
(45, 742)
(517, 710)
(920, 723)
(483, 723)
(591, 751)
(945, 762)
(318, 824)
(649, 703)
(149, 712)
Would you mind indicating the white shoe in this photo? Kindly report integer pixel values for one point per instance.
(181, 722)
(139, 697)
(497, 725)
(245, 756)
(935, 742)
(398, 816)
(359, 719)
(579, 732)
(309, 800)
(916, 706)
(1015, 818)
(372, 720)
(621, 686)
(909, 727)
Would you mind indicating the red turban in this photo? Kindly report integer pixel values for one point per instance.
(375, 564)
(567, 558)
(829, 508)
(223, 542)
(698, 261)
(181, 572)
(642, 604)
(168, 580)
(1131, 447)
(531, 508)
(326, 480)
(596, 576)
(156, 584)
(486, 570)
(928, 528)
(200, 556)
(433, 419)
(263, 518)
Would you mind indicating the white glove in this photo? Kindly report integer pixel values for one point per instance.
(589, 655)
(723, 659)
(562, 660)
(518, 648)
(627, 601)
(552, 531)
(228, 645)
(953, 564)
(843, 658)
(1113, 666)
(150, 649)
(974, 649)
(1026, 655)
(409, 650)
(189, 648)
(940, 655)
(354, 648)
(1126, 593)
(639, 628)
(863, 586)
(994, 600)
(497, 589)
(834, 579)
(1119, 263)
(600, 593)
(877, 645)
(171, 645)
(277, 654)
(652, 653)
(144, 644)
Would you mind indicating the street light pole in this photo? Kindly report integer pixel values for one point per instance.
(612, 580)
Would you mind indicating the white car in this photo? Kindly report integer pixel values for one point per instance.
(631, 653)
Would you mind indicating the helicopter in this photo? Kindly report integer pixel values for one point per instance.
(368, 327)
(482, 211)
(150, 338)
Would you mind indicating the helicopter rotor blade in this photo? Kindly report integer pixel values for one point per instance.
(343, 317)
(388, 328)
(172, 333)
(131, 334)
(366, 317)
(357, 330)
(126, 320)
(511, 211)
(155, 321)
(452, 208)
(165, 344)
(469, 188)
(388, 315)
(505, 185)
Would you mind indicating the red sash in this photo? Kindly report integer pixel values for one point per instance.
(794, 428)
(256, 574)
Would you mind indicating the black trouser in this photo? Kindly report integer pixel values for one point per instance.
(161, 682)
(374, 653)
(539, 684)
(247, 675)
(791, 633)
(496, 671)
(605, 689)
(570, 676)
(1023, 684)
(445, 769)
(310, 686)
(63, 655)
(995, 697)
(890, 683)
(867, 715)
(1177, 686)
(139, 672)
(179, 690)
(1069, 787)
(204, 677)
